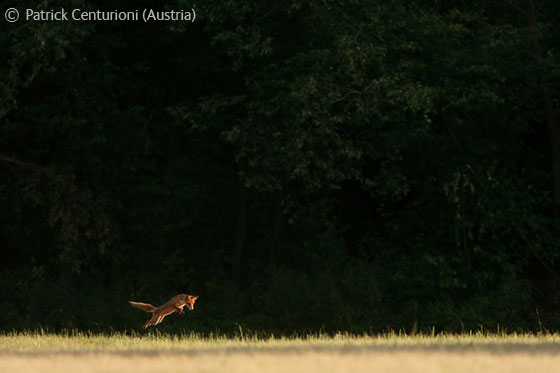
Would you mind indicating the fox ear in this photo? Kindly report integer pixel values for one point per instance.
(195, 297)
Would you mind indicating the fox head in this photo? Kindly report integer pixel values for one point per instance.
(190, 299)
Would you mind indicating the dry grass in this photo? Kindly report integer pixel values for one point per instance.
(41, 352)
(309, 361)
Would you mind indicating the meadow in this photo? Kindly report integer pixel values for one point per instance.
(155, 352)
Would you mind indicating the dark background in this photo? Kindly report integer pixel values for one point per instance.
(306, 166)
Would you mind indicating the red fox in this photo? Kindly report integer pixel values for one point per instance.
(175, 304)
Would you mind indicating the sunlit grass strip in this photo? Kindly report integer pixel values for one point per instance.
(75, 341)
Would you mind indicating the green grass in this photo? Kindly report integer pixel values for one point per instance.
(41, 341)
(155, 352)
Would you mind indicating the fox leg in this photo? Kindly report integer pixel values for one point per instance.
(151, 321)
(160, 319)
(180, 311)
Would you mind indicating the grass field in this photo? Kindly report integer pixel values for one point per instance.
(83, 353)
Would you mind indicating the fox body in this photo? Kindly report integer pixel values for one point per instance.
(175, 304)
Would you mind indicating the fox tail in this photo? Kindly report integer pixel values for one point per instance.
(143, 306)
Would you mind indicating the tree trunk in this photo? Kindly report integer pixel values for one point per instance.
(276, 229)
(168, 201)
(553, 130)
(240, 231)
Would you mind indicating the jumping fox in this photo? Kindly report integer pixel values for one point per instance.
(175, 304)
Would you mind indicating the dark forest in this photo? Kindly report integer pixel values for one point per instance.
(317, 166)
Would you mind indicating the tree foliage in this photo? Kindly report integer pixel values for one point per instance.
(328, 165)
